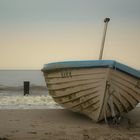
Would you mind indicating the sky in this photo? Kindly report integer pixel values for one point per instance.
(36, 32)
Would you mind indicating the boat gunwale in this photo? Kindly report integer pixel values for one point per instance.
(67, 65)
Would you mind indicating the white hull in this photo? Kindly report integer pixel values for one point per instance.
(95, 92)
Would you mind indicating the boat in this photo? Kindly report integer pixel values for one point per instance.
(99, 89)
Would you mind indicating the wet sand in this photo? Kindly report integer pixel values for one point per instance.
(61, 124)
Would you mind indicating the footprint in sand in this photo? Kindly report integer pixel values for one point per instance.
(8, 135)
(32, 132)
(47, 133)
(14, 120)
(33, 125)
(86, 137)
(14, 131)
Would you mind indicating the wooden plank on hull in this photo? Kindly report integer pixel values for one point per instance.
(125, 95)
(93, 112)
(74, 78)
(129, 91)
(75, 72)
(82, 108)
(130, 79)
(120, 102)
(87, 105)
(75, 96)
(75, 90)
(91, 108)
(71, 84)
(82, 100)
(125, 83)
(79, 93)
(118, 105)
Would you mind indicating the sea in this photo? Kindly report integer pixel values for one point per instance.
(12, 95)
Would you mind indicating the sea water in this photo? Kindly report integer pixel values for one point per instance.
(17, 77)
(28, 102)
(11, 90)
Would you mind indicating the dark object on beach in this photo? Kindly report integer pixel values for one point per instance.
(4, 139)
(26, 88)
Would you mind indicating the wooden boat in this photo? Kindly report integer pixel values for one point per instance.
(98, 89)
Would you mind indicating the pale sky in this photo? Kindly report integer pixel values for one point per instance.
(35, 32)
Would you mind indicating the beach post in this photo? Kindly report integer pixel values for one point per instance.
(26, 87)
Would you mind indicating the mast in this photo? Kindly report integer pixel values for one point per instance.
(106, 20)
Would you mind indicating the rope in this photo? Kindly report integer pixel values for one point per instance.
(105, 105)
(110, 101)
(111, 105)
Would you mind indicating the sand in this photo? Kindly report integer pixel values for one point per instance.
(61, 124)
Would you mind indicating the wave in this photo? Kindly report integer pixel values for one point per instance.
(27, 102)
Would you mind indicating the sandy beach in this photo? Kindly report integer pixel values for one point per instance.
(61, 124)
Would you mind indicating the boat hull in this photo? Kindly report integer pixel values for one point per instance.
(97, 92)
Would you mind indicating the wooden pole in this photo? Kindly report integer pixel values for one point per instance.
(106, 20)
(26, 87)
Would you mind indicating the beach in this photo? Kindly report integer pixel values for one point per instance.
(61, 124)
(38, 117)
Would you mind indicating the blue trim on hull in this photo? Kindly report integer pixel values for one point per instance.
(92, 64)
